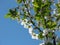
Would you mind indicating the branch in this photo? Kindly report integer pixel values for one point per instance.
(31, 19)
(54, 41)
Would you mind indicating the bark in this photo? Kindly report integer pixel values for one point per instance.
(54, 42)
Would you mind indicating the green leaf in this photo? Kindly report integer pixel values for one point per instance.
(19, 1)
(50, 34)
(58, 5)
(58, 43)
(13, 13)
(44, 26)
(40, 36)
(49, 24)
(54, 24)
(49, 43)
(36, 5)
(38, 16)
(7, 15)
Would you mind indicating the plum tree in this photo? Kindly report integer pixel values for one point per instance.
(38, 15)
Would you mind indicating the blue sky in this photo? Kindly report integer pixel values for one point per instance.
(11, 32)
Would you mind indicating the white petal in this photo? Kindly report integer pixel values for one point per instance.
(22, 23)
(25, 26)
(37, 36)
(30, 24)
(33, 33)
(42, 44)
(25, 20)
(33, 37)
(30, 30)
(32, 0)
(45, 17)
(43, 34)
(45, 31)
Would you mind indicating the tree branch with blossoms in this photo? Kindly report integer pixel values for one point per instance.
(38, 15)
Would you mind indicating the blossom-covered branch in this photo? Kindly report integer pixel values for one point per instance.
(41, 15)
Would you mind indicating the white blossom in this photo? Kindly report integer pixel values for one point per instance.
(30, 24)
(45, 17)
(26, 9)
(24, 22)
(32, 0)
(34, 36)
(25, 26)
(43, 1)
(30, 30)
(59, 28)
(42, 44)
(45, 32)
(53, 30)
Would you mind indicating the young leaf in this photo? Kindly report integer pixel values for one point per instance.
(19, 1)
(7, 15)
(40, 36)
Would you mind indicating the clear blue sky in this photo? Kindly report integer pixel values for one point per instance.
(12, 33)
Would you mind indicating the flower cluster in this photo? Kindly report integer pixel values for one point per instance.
(29, 26)
(45, 32)
(34, 36)
(30, 30)
(34, 14)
